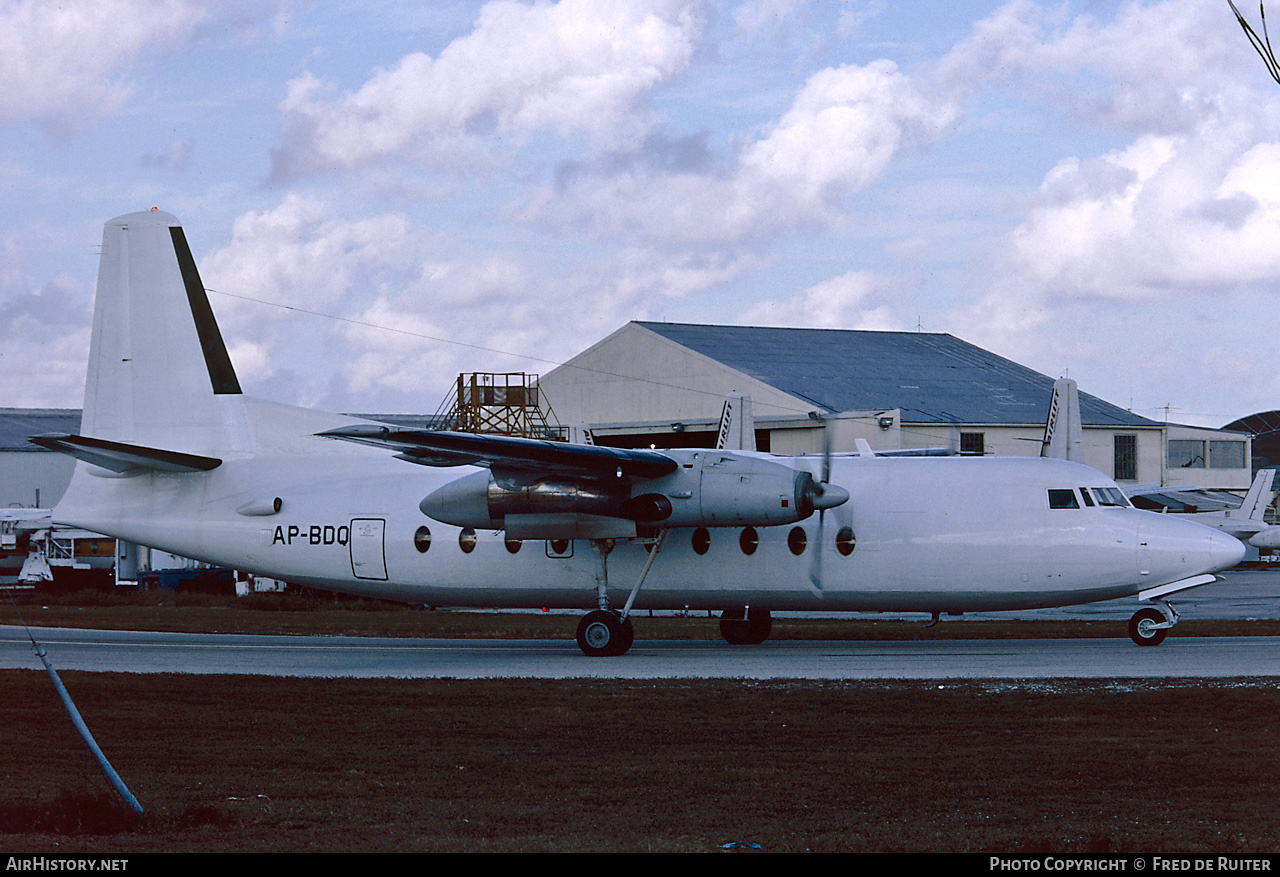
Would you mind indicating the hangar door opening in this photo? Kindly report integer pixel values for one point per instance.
(368, 558)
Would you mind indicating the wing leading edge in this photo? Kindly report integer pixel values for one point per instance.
(509, 453)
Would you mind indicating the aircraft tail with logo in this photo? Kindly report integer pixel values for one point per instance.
(1063, 434)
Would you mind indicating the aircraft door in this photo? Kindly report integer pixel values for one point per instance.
(368, 557)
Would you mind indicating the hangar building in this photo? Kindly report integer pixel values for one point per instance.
(663, 385)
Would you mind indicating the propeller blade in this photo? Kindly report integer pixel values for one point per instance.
(815, 568)
(826, 496)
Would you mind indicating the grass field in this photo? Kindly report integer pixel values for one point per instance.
(228, 763)
(261, 764)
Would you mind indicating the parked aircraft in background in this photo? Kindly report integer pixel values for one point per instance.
(174, 456)
(1063, 440)
(1217, 508)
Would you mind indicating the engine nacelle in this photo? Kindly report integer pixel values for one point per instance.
(709, 489)
(478, 501)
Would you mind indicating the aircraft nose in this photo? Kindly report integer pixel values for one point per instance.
(1225, 550)
(1172, 547)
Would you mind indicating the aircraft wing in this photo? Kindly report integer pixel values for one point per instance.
(26, 515)
(442, 448)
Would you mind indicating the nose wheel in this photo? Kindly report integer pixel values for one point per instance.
(1149, 626)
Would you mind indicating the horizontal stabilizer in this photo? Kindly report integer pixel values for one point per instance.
(442, 448)
(121, 457)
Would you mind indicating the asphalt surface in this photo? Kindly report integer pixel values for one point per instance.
(1245, 594)
(368, 657)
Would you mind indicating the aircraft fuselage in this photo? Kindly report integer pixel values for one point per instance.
(917, 534)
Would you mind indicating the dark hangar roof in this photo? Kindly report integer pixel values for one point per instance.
(19, 424)
(932, 377)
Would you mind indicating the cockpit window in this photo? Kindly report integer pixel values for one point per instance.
(1063, 499)
(1084, 495)
(1110, 496)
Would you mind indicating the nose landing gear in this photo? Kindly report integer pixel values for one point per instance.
(1149, 626)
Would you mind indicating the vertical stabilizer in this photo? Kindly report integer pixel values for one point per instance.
(159, 374)
(1063, 434)
(1259, 495)
(737, 424)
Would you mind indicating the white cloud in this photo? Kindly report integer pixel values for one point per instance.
(302, 255)
(576, 67)
(1154, 66)
(68, 64)
(44, 336)
(848, 301)
(843, 128)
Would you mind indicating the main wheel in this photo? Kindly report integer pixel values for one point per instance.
(745, 631)
(603, 634)
(1142, 630)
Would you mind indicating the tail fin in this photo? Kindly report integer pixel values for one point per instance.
(159, 374)
(1063, 434)
(1259, 495)
(737, 425)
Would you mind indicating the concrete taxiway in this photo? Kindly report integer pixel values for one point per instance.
(144, 652)
(1244, 594)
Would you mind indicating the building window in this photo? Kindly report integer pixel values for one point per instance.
(1126, 458)
(1185, 454)
(972, 444)
(1226, 455)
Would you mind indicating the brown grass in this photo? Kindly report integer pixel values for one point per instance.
(262, 764)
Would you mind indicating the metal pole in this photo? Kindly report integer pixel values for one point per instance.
(84, 732)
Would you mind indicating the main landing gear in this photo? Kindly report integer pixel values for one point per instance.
(1149, 626)
(605, 632)
(748, 627)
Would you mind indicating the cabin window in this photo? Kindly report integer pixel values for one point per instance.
(845, 541)
(1063, 499)
(972, 444)
(1126, 457)
(1226, 455)
(1084, 495)
(797, 540)
(701, 540)
(467, 540)
(1113, 496)
(749, 540)
(513, 545)
(422, 540)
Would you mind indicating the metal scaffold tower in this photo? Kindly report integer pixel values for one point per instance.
(504, 403)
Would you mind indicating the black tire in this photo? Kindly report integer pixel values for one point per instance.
(738, 630)
(1141, 631)
(603, 634)
(761, 622)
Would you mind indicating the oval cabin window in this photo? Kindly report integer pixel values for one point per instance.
(845, 541)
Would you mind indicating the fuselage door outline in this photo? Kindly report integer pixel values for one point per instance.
(368, 552)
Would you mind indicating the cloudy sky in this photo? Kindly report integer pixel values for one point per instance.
(1088, 188)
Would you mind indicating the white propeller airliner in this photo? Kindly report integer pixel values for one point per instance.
(172, 455)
